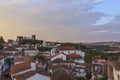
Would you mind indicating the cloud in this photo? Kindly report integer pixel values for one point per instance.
(100, 32)
(5, 3)
(98, 1)
(64, 20)
(104, 20)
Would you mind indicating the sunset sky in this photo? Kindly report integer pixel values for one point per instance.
(61, 20)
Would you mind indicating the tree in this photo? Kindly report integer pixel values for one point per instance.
(9, 61)
(88, 58)
(40, 57)
(101, 79)
(42, 49)
(1, 46)
(88, 76)
(80, 78)
(1, 40)
(30, 41)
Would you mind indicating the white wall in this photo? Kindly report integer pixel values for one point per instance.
(81, 73)
(31, 52)
(82, 54)
(80, 61)
(67, 51)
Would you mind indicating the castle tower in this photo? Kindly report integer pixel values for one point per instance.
(19, 38)
(33, 37)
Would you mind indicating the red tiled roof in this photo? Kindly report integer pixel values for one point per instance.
(22, 58)
(30, 48)
(62, 75)
(67, 48)
(62, 61)
(10, 48)
(25, 75)
(73, 56)
(102, 61)
(20, 67)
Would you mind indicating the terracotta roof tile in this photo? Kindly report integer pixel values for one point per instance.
(30, 48)
(73, 56)
(10, 48)
(67, 48)
(29, 74)
(20, 67)
(62, 75)
(62, 61)
(25, 75)
(22, 58)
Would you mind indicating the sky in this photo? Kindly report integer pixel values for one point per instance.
(61, 20)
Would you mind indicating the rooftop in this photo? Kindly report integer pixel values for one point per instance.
(62, 75)
(22, 58)
(67, 48)
(20, 67)
(10, 48)
(73, 56)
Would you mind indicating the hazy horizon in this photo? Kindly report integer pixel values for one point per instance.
(61, 20)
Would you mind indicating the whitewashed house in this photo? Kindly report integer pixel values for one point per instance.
(24, 69)
(3, 57)
(31, 51)
(70, 50)
(67, 49)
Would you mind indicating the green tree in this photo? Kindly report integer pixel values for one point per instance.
(40, 57)
(88, 76)
(9, 60)
(101, 79)
(1, 40)
(80, 78)
(1, 46)
(42, 49)
(88, 58)
(30, 41)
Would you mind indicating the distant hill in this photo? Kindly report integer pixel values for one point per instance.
(104, 46)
